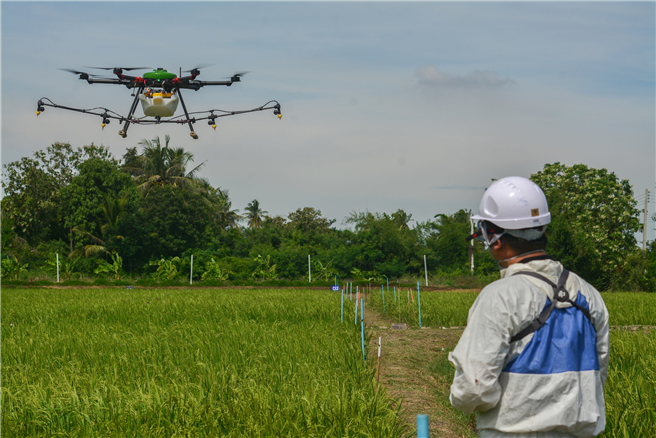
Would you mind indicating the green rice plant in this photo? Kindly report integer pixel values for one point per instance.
(450, 308)
(631, 308)
(186, 362)
(630, 391)
(441, 309)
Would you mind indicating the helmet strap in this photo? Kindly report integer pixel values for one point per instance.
(519, 255)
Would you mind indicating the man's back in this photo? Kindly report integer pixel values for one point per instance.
(547, 383)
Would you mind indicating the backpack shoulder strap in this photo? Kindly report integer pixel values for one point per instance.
(560, 294)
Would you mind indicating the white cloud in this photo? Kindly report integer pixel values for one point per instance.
(429, 75)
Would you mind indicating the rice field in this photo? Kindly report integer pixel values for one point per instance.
(186, 362)
(630, 391)
(631, 386)
(450, 309)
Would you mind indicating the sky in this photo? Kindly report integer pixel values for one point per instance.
(386, 105)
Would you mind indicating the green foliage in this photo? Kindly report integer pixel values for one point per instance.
(264, 269)
(115, 268)
(594, 218)
(84, 202)
(309, 219)
(214, 272)
(12, 268)
(166, 269)
(255, 214)
(385, 245)
(321, 271)
(174, 219)
(66, 267)
(367, 276)
(32, 189)
(95, 199)
(160, 165)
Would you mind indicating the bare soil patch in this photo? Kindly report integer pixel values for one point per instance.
(414, 371)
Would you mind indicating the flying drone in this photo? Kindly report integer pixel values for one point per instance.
(159, 92)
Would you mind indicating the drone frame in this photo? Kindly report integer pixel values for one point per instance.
(140, 83)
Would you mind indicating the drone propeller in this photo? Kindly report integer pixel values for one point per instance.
(82, 74)
(198, 67)
(237, 76)
(121, 68)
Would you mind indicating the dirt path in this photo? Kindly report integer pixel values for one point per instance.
(415, 371)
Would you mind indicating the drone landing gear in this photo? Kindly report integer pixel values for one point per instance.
(189, 121)
(124, 132)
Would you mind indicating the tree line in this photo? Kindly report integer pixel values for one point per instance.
(145, 214)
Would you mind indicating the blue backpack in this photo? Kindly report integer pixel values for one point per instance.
(565, 339)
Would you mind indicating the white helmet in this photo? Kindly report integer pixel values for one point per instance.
(515, 203)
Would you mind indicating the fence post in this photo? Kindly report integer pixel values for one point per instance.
(419, 302)
(57, 267)
(342, 305)
(362, 324)
(191, 272)
(309, 270)
(422, 426)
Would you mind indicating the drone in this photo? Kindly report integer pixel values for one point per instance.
(159, 92)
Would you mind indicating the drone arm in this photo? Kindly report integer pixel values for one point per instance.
(47, 102)
(275, 107)
(125, 82)
(197, 85)
(203, 83)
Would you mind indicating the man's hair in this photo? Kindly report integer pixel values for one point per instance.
(523, 246)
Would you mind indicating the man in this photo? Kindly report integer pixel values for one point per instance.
(533, 358)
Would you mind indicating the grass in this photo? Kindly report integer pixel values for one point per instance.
(186, 362)
(450, 309)
(631, 386)
(444, 309)
(631, 308)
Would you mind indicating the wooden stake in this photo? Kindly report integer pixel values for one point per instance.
(378, 364)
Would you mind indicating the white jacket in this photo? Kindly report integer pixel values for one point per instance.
(555, 389)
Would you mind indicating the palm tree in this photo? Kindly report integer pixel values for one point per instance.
(403, 219)
(159, 165)
(255, 214)
(219, 200)
(227, 215)
(112, 209)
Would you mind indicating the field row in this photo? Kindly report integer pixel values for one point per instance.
(450, 309)
(94, 362)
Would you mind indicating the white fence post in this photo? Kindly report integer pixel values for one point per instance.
(426, 270)
(191, 274)
(57, 267)
(309, 270)
(471, 247)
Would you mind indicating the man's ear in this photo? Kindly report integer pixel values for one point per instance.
(498, 243)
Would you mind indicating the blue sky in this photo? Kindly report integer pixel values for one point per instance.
(385, 105)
